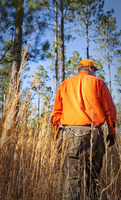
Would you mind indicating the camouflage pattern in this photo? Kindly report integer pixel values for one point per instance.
(83, 161)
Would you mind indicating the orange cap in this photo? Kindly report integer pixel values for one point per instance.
(86, 63)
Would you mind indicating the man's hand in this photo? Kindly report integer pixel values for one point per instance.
(110, 138)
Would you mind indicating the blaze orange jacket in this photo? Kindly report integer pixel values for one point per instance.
(83, 100)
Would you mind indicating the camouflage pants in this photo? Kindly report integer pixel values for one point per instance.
(83, 162)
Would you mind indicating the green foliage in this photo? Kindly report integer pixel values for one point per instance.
(39, 15)
(5, 70)
(71, 65)
(41, 74)
(118, 79)
(109, 38)
(89, 9)
(99, 73)
(41, 89)
(51, 54)
(32, 5)
(4, 86)
(7, 57)
(87, 13)
(106, 31)
(118, 108)
(33, 25)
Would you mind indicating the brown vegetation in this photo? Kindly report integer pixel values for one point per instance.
(31, 164)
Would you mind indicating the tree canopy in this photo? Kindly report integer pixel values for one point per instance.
(28, 21)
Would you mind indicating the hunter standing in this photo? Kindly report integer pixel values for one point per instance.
(82, 104)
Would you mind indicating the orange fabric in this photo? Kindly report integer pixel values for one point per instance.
(83, 100)
(85, 62)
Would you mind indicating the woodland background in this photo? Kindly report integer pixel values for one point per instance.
(32, 66)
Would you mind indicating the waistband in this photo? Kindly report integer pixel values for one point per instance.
(88, 125)
(86, 128)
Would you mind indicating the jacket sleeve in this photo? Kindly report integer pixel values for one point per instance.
(109, 108)
(57, 110)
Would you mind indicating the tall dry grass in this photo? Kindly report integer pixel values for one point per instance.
(110, 179)
(31, 167)
(31, 164)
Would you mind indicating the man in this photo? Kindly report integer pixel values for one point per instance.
(82, 104)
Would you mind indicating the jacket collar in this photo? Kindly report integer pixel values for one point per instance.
(83, 72)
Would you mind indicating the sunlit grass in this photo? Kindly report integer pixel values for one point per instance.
(31, 163)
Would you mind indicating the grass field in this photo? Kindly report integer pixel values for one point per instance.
(31, 164)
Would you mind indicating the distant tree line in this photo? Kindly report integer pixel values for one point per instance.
(26, 21)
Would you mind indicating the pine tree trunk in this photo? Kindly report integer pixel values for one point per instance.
(38, 106)
(17, 47)
(15, 79)
(56, 50)
(109, 68)
(62, 42)
(87, 39)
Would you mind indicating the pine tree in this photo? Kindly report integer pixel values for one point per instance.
(17, 47)
(118, 79)
(40, 88)
(51, 56)
(72, 64)
(65, 9)
(88, 11)
(99, 73)
(56, 47)
(20, 19)
(5, 72)
(108, 37)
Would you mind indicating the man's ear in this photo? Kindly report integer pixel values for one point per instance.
(89, 68)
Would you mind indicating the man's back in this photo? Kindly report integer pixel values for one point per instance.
(81, 100)
(84, 100)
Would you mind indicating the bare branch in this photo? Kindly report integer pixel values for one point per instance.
(6, 51)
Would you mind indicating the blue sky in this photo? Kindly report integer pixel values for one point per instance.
(79, 44)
